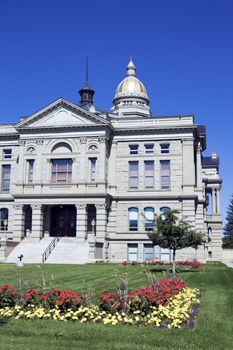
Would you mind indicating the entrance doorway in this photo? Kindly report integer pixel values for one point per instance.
(63, 221)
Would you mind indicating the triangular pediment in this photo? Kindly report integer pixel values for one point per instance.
(61, 114)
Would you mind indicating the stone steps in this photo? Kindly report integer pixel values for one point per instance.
(32, 251)
(67, 251)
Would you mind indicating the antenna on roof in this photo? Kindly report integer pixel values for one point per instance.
(86, 69)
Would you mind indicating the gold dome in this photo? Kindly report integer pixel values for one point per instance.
(131, 86)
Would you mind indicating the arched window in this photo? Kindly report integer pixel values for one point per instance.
(61, 147)
(4, 219)
(149, 218)
(164, 209)
(133, 219)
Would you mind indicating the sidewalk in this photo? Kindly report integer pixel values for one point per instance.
(229, 263)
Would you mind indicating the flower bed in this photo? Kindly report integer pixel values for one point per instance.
(167, 304)
(190, 264)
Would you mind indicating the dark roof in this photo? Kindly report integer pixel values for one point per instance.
(209, 162)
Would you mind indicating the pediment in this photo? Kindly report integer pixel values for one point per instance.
(61, 114)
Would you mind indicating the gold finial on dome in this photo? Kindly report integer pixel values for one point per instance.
(131, 69)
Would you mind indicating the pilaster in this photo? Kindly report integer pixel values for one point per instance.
(198, 166)
(83, 142)
(19, 221)
(101, 222)
(37, 222)
(102, 159)
(81, 222)
(38, 161)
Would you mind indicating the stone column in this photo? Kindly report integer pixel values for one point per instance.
(81, 222)
(198, 166)
(101, 222)
(218, 200)
(213, 201)
(37, 222)
(19, 221)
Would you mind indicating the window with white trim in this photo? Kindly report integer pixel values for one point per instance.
(133, 149)
(149, 148)
(149, 174)
(132, 251)
(92, 169)
(6, 174)
(165, 148)
(133, 219)
(30, 168)
(61, 171)
(3, 219)
(133, 175)
(7, 153)
(149, 218)
(165, 174)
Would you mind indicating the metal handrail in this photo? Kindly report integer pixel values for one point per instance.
(50, 248)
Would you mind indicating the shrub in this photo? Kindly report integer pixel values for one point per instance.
(8, 296)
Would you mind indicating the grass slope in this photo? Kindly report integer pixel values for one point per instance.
(214, 328)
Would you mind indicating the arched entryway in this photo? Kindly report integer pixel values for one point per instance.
(63, 221)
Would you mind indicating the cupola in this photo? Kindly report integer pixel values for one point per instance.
(131, 95)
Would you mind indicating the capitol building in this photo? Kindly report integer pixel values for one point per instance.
(81, 185)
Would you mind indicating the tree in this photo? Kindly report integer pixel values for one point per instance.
(228, 229)
(174, 233)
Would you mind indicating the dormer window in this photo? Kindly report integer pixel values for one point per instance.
(7, 153)
(165, 148)
(133, 149)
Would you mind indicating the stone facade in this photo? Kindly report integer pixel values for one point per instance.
(65, 171)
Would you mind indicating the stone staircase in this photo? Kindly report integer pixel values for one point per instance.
(32, 251)
(67, 251)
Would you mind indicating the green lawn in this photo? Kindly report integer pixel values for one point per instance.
(214, 329)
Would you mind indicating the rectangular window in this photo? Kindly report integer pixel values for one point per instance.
(30, 164)
(133, 175)
(6, 174)
(133, 219)
(149, 174)
(164, 148)
(133, 149)
(61, 171)
(92, 169)
(165, 174)
(132, 252)
(7, 153)
(149, 148)
(148, 252)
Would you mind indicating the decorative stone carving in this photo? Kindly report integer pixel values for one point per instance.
(39, 141)
(22, 142)
(83, 140)
(36, 206)
(31, 150)
(102, 139)
(100, 206)
(93, 148)
(80, 206)
(18, 206)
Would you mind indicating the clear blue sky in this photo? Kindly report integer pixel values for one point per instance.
(183, 50)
